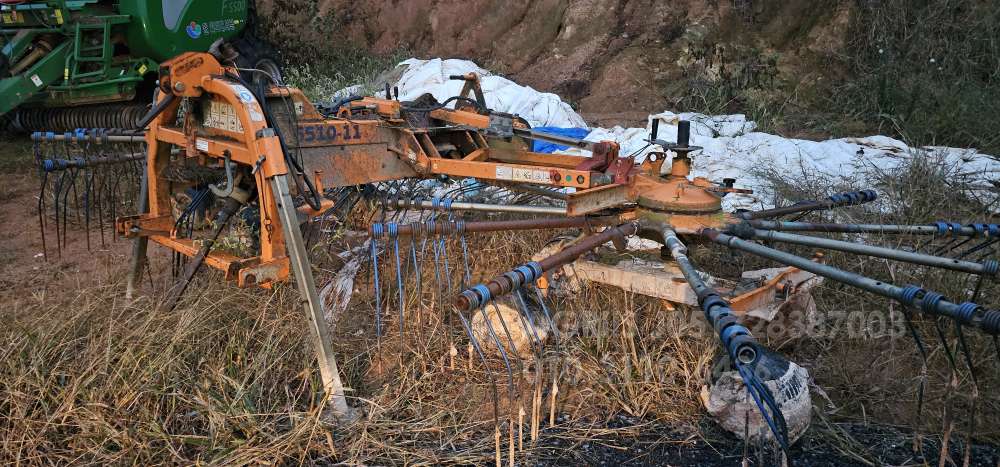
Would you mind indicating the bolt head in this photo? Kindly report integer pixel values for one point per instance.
(179, 87)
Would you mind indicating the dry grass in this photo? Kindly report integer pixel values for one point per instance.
(229, 377)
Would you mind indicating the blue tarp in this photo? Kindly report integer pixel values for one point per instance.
(547, 147)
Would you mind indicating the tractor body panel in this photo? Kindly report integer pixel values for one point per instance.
(66, 53)
(162, 29)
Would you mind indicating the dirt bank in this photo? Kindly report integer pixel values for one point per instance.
(616, 60)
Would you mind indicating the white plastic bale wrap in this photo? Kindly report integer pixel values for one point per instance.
(732, 146)
(727, 401)
(502, 94)
(733, 149)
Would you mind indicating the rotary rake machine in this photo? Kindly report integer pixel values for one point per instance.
(269, 155)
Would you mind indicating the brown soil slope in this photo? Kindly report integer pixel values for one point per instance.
(615, 59)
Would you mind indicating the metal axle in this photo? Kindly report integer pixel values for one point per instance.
(931, 303)
(988, 268)
(451, 227)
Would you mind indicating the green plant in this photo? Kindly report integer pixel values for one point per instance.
(927, 70)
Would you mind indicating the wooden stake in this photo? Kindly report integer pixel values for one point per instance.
(520, 429)
(496, 440)
(536, 408)
(552, 401)
(949, 423)
(510, 450)
(470, 357)
(452, 353)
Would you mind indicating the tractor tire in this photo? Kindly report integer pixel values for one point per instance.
(261, 62)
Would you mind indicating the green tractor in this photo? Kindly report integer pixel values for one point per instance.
(69, 64)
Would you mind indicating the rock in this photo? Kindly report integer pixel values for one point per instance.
(521, 332)
(726, 398)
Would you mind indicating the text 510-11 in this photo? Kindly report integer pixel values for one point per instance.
(329, 133)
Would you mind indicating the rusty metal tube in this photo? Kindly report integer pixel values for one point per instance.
(588, 243)
(857, 228)
(513, 279)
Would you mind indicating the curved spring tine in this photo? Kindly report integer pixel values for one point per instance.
(41, 211)
(437, 271)
(908, 321)
(372, 242)
(978, 247)
(467, 278)
(56, 197)
(88, 201)
(506, 331)
(76, 194)
(944, 342)
(503, 353)
(966, 353)
(765, 404)
(444, 256)
(416, 270)
(552, 324)
(526, 314)
(486, 367)
(986, 254)
(947, 246)
(399, 284)
(99, 202)
(115, 200)
(67, 188)
(975, 382)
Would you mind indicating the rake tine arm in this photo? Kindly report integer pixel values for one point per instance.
(938, 228)
(486, 368)
(739, 344)
(373, 250)
(852, 198)
(503, 353)
(526, 314)
(511, 280)
(510, 337)
(929, 302)
(548, 317)
(986, 268)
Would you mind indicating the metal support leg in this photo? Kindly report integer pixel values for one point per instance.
(140, 244)
(299, 260)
